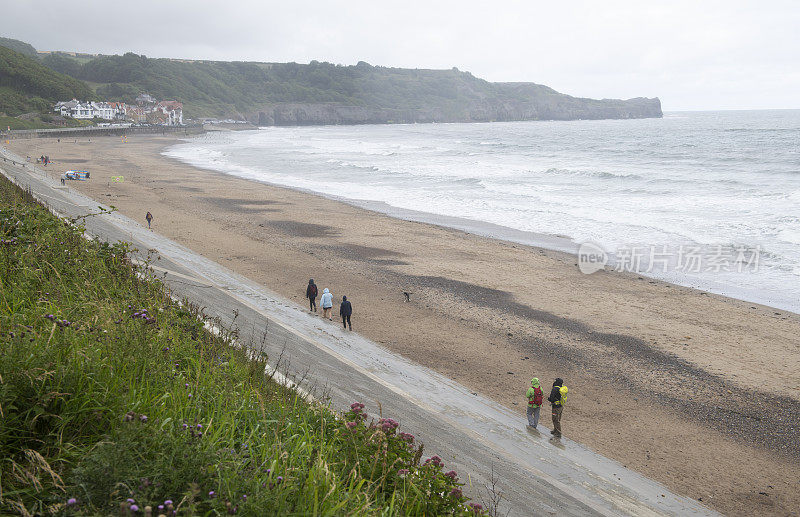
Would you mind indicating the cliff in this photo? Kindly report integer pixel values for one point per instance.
(568, 108)
(324, 93)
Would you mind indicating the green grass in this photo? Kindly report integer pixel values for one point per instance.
(113, 399)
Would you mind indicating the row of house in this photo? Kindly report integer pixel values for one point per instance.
(149, 111)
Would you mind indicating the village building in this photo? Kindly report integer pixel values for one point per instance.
(148, 110)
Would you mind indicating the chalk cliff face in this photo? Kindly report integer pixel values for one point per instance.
(517, 105)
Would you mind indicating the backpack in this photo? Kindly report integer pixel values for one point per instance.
(313, 290)
(537, 396)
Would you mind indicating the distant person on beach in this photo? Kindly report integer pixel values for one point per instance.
(149, 218)
(346, 310)
(63, 180)
(311, 294)
(327, 304)
(535, 396)
(558, 397)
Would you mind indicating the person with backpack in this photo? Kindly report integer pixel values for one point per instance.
(327, 304)
(558, 397)
(345, 310)
(311, 294)
(534, 396)
(149, 218)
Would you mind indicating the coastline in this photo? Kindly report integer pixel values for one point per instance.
(491, 314)
(768, 292)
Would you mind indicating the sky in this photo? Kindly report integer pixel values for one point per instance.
(693, 55)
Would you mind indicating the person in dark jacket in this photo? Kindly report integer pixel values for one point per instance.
(557, 398)
(149, 218)
(311, 294)
(346, 310)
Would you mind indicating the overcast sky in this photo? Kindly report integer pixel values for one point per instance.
(694, 55)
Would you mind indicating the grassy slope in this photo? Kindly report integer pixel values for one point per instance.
(26, 85)
(18, 46)
(217, 87)
(114, 398)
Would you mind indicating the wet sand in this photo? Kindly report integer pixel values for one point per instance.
(695, 390)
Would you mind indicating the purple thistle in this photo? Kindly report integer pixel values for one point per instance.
(72, 501)
(131, 501)
(168, 502)
(212, 494)
(134, 508)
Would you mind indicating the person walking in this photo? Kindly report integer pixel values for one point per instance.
(326, 301)
(346, 310)
(558, 397)
(311, 294)
(534, 395)
(149, 218)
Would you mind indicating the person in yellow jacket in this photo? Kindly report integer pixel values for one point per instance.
(558, 397)
(534, 395)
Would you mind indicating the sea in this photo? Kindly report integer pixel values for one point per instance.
(709, 200)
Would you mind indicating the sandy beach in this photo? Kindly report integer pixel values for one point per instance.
(697, 391)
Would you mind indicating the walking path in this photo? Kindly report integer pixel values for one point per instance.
(487, 444)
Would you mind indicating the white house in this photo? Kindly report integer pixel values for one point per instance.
(85, 110)
(173, 111)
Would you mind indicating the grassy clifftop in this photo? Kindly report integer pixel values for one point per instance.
(116, 400)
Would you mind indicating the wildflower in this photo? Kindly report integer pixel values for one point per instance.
(351, 425)
(456, 492)
(165, 349)
(72, 501)
(185, 426)
(189, 395)
(50, 316)
(451, 474)
(168, 502)
(388, 425)
(356, 407)
(199, 426)
(212, 494)
(476, 507)
(407, 437)
(279, 479)
(186, 385)
(134, 508)
(143, 418)
(402, 472)
(160, 507)
(244, 497)
(131, 501)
